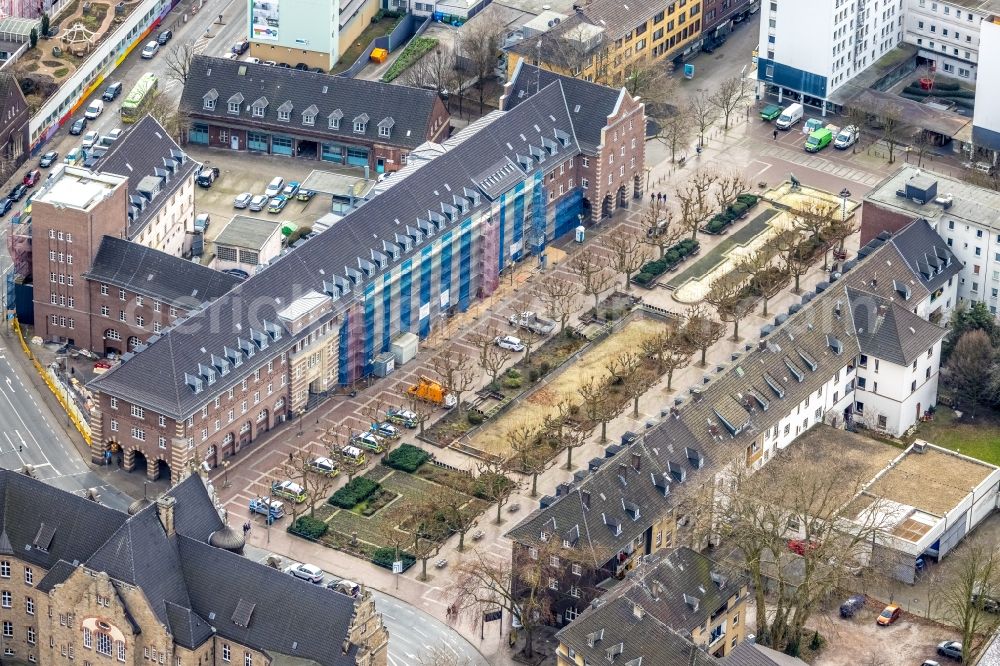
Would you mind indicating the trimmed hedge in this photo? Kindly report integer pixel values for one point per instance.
(671, 258)
(406, 458)
(733, 212)
(356, 491)
(385, 556)
(414, 51)
(308, 527)
(749, 200)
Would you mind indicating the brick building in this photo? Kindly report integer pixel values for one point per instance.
(165, 583)
(437, 238)
(241, 106)
(14, 115)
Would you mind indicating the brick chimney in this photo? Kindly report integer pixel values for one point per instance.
(165, 510)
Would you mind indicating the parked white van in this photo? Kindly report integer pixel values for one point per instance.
(791, 115)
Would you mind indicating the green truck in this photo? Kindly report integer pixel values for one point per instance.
(770, 112)
(818, 140)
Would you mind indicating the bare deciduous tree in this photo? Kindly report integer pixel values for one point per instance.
(675, 127)
(531, 458)
(559, 297)
(174, 119)
(492, 357)
(858, 116)
(496, 482)
(456, 373)
(628, 254)
(794, 253)
(974, 583)
(635, 378)
(764, 275)
(704, 113)
(670, 349)
(702, 330)
(658, 226)
(694, 201)
(178, 61)
(591, 271)
(970, 369)
(729, 186)
(436, 69)
(600, 404)
(729, 96)
(728, 295)
(890, 120)
(480, 46)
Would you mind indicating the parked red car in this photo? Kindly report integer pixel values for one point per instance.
(32, 177)
(800, 546)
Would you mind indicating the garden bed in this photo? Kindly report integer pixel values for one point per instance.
(735, 211)
(613, 307)
(646, 277)
(382, 27)
(414, 51)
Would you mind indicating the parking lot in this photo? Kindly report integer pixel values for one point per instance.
(240, 172)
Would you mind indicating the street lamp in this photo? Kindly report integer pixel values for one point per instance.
(844, 196)
(225, 473)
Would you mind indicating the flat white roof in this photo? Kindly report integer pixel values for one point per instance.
(303, 305)
(73, 187)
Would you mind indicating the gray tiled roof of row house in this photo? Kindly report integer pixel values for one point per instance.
(682, 589)
(193, 588)
(751, 654)
(219, 324)
(621, 636)
(157, 275)
(889, 332)
(786, 367)
(927, 254)
(151, 160)
(588, 103)
(308, 94)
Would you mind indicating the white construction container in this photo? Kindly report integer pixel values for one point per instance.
(405, 347)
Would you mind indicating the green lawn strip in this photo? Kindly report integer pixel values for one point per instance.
(980, 439)
(717, 253)
(414, 51)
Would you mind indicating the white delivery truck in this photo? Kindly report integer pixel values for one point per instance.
(791, 115)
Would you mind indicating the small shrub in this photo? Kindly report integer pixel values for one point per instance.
(750, 200)
(817, 642)
(739, 208)
(643, 278)
(672, 257)
(533, 375)
(308, 527)
(384, 557)
(61, 72)
(474, 417)
(574, 409)
(544, 367)
(356, 491)
(407, 457)
(609, 315)
(512, 383)
(513, 373)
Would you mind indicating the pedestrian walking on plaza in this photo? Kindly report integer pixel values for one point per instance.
(246, 528)
(775, 134)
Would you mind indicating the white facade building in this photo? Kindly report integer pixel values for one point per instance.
(986, 118)
(948, 33)
(807, 50)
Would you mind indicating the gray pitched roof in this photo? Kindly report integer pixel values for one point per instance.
(616, 628)
(156, 274)
(179, 350)
(751, 654)
(926, 253)
(80, 526)
(890, 332)
(192, 587)
(151, 160)
(721, 418)
(304, 89)
(289, 616)
(589, 104)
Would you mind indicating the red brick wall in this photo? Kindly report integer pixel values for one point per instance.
(623, 145)
(876, 219)
(137, 309)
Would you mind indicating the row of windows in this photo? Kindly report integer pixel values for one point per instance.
(64, 322)
(6, 601)
(139, 300)
(59, 235)
(60, 257)
(60, 278)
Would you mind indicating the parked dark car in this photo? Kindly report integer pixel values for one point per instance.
(112, 91)
(285, 65)
(78, 127)
(302, 67)
(241, 47)
(850, 607)
(207, 176)
(5, 205)
(18, 191)
(48, 159)
(164, 37)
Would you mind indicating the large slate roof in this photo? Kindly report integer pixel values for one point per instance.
(147, 156)
(157, 275)
(589, 104)
(181, 349)
(926, 253)
(411, 109)
(720, 419)
(192, 587)
(620, 631)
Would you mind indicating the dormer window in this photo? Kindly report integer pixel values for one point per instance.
(208, 101)
(309, 115)
(259, 107)
(285, 112)
(361, 124)
(385, 127)
(333, 120)
(234, 107)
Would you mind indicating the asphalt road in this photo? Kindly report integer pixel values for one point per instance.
(29, 438)
(412, 632)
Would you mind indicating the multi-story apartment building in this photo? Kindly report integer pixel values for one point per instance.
(105, 261)
(719, 16)
(14, 145)
(160, 186)
(808, 51)
(436, 240)
(947, 33)
(605, 41)
(804, 370)
(986, 116)
(680, 594)
(241, 106)
(961, 214)
(313, 32)
(166, 583)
